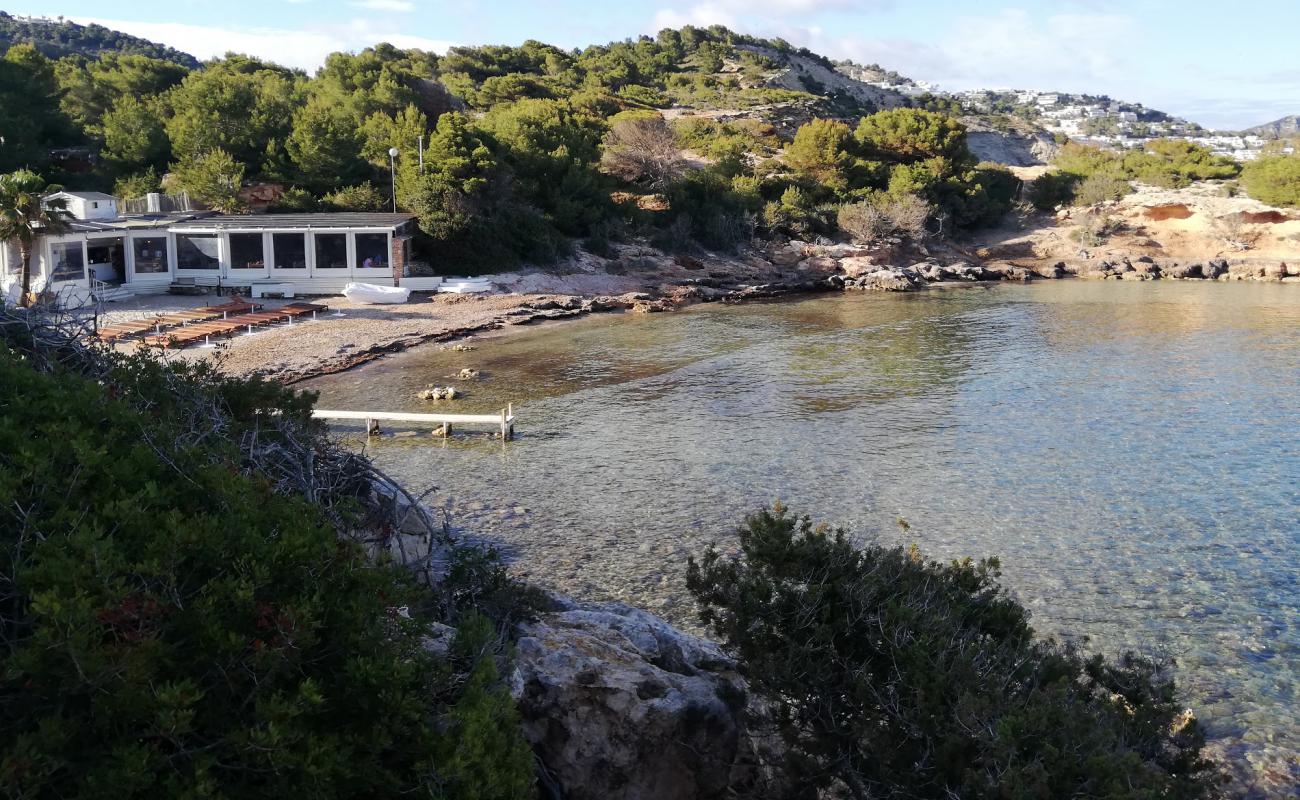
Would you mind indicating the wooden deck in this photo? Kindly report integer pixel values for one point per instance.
(504, 420)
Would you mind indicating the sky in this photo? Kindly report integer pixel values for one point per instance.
(1226, 65)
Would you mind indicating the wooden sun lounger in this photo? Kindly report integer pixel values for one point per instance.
(222, 311)
(295, 310)
(122, 330)
(200, 331)
(205, 331)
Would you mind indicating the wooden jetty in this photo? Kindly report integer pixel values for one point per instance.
(503, 420)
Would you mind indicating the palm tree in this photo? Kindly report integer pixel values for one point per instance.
(25, 215)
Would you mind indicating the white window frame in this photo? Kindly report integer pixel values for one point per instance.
(173, 254)
(48, 272)
(228, 269)
(308, 253)
(169, 246)
(348, 258)
(381, 272)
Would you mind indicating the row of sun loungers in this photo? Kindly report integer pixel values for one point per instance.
(124, 330)
(207, 330)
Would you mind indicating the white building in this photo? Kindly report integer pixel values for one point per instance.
(87, 205)
(316, 253)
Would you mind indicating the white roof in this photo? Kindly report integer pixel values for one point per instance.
(85, 195)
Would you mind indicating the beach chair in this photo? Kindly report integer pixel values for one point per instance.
(123, 330)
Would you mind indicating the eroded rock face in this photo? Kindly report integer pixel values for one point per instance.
(621, 706)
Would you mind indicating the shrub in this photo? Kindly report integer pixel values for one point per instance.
(1175, 163)
(213, 178)
(907, 135)
(865, 222)
(1101, 188)
(177, 624)
(1052, 189)
(295, 200)
(364, 196)
(1082, 160)
(1274, 180)
(885, 215)
(137, 184)
(795, 214)
(643, 149)
(820, 150)
(892, 676)
(1095, 230)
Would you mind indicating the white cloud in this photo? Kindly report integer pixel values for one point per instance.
(302, 48)
(386, 5)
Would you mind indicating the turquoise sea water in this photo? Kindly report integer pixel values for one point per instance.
(1130, 451)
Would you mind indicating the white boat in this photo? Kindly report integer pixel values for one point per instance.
(371, 293)
(465, 285)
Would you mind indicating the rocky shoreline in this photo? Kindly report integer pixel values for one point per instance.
(640, 279)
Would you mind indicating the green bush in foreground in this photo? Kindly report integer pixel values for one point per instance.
(895, 677)
(172, 626)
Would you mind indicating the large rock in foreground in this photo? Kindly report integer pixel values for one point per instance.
(619, 705)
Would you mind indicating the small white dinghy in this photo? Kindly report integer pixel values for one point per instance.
(465, 285)
(371, 293)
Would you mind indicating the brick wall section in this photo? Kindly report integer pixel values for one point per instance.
(398, 258)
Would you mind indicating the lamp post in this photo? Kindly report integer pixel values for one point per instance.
(392, 169)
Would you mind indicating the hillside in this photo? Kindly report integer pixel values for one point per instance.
(57, 38)
(1283, 128)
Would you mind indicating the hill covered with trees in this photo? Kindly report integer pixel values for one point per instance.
(696, 137)
(59, 37)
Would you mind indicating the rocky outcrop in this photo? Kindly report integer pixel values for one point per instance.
(1014, 148)
(618, 705)
(804, 74)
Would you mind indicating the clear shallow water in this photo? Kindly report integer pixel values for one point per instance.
(1130, 451)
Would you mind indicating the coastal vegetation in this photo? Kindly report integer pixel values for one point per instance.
(891, 675)
(1086, 175)
(1274, 179)
(186, 610)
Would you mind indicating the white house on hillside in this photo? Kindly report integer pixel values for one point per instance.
(87, 205)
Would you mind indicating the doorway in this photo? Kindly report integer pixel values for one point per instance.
(106, 260)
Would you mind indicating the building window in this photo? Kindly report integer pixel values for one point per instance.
(372, 250)
(197, 251)
(246, 251)
(290, 250)
(69, 261)
(331, 251)
(150, 255)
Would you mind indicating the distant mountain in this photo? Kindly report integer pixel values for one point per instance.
(1283, 128)
(60, 37)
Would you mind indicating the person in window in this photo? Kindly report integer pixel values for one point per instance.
(369, 263)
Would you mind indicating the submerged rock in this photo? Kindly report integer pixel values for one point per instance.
(438, 393)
